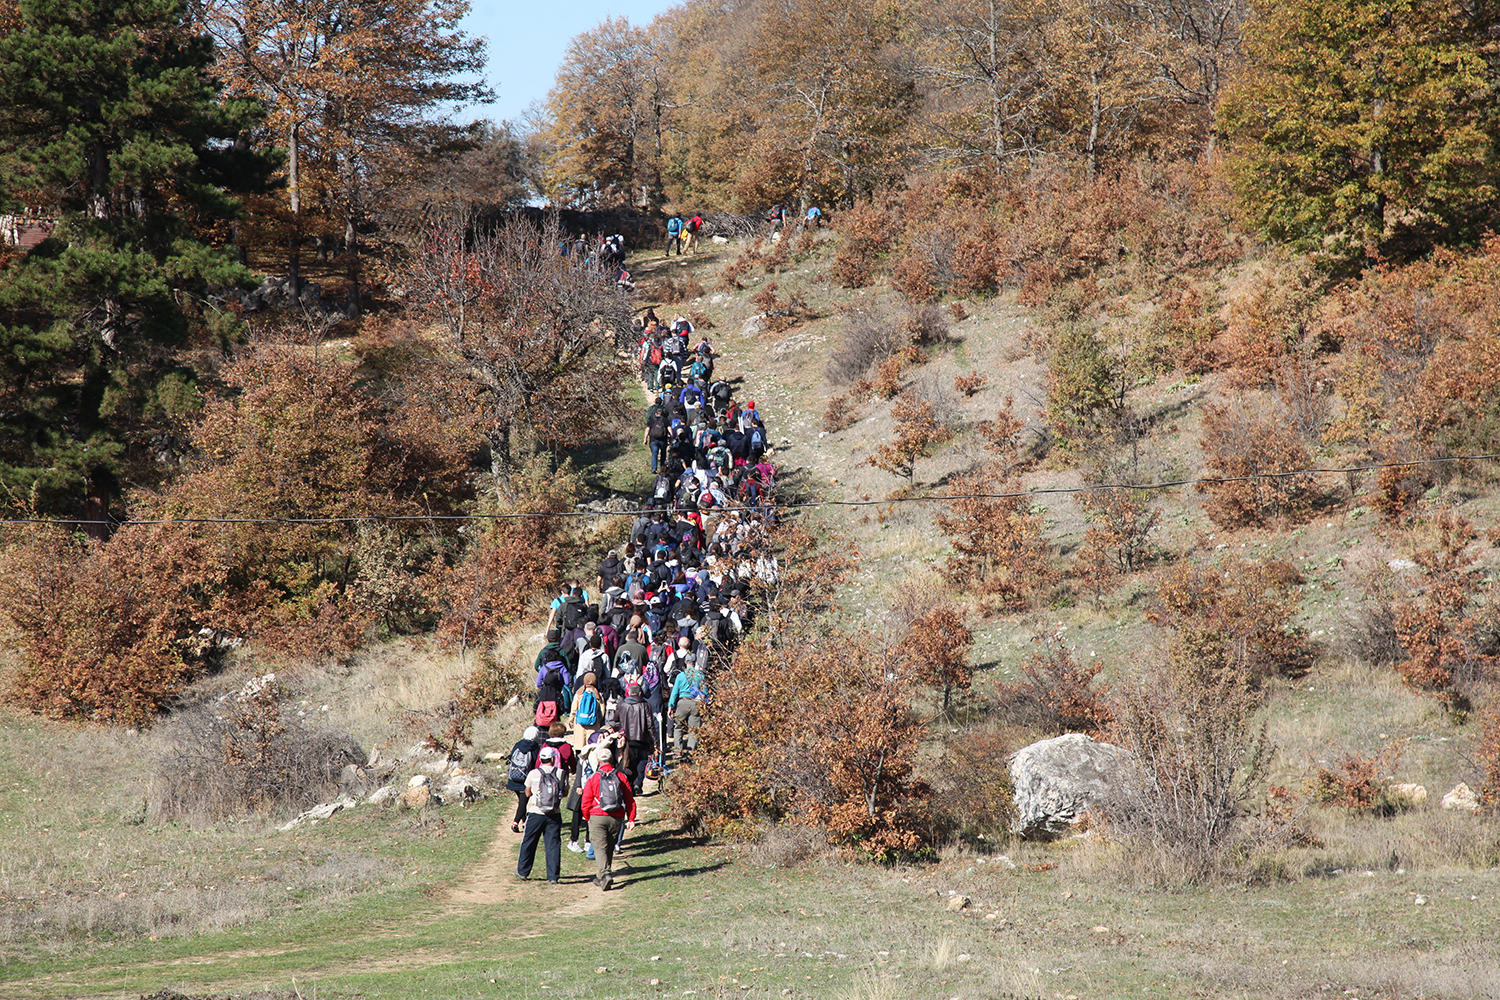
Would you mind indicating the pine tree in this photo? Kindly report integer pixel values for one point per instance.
(110, 122)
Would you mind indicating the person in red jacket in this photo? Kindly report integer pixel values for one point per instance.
(607, 803)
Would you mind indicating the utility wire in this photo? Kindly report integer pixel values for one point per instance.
(931, 498)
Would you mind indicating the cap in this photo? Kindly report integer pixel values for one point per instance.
(548, 754)
(604, 756)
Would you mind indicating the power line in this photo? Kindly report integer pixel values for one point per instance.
(930, 498)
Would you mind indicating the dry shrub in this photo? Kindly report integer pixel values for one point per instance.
(866, 232)
(1085, 384)
(1197, 759)
(1487, 756)
(513, 561)
(1055, 693)
(869, 338)
(109, 631)
(1419, 373)
(1397, 490)
(958, 311)
(935, 651)
(926, 325)
(1269, 317)
(251, 759)
(973, 794)
(1124, 520)
(1361, 783)
(1234, 614)
(1000, 548)
(971, 383)
(920, 270)
(1449, 640)
(886, 383)
(787, 845)
(782, 312)
(731, 275)
(841, 413)
(450, 727)
(672, 290)
(1255, 446)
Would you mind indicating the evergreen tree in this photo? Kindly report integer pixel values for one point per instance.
(111, 123)
(1369, 129)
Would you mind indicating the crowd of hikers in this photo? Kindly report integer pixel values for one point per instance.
(625, 671)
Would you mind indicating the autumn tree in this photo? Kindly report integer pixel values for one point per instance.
(918, 431)
(350, 86)
(530, 360)
(935, 650)
(111, 120)
(997, 537)
(606, 116)
(1367, 129)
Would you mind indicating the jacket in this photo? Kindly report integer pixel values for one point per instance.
(589, 804)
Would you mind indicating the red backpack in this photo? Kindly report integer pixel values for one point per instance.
(546, 714)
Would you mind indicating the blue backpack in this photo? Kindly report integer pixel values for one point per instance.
(588, 709)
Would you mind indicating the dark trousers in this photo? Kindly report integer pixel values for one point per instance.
(641, 753)
(658, 452)
(520, 807)
(546, 827)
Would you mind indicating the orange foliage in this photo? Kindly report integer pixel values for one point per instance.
(1235, 614)
(999, 545)
(1439, 630)
(1055, 693)
(1242, 441)
(917, 433)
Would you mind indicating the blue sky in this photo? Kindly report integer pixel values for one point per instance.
(527, 41)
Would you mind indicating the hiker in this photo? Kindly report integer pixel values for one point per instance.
(693, 228)
(588, 705)
(685, 705)
(545, 790)
(674, 235)
(776, 217)
(658, 424)
(638, 726)
(814, 218)
(608, 804)
(523, 758)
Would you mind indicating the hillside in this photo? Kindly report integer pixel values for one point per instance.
(102, 900)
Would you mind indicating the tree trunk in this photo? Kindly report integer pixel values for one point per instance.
(294, 234)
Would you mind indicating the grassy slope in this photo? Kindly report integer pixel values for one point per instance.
(385, 904)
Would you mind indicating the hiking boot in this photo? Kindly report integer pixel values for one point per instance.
(607, 881)
(573, 846)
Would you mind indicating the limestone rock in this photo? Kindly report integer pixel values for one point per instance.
(418, 780)
(958, 903)
(416, 797)
(1461, 798)
(754, 326)
(1058, 781)
(1414, 795)
(382, 795)
(320, 812)
(462, 789)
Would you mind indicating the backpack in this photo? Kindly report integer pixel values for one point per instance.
(674, 225)
(588, 709)
(610, 797)
(695, 223)
(521, 762)
(658, 425)
(699, 370)
(626, 664)
(650, 678)
(757, 440)
(548, 792)
(552, 675)
(546, 713)
(656, 354)
(572, 612)
(619, 616)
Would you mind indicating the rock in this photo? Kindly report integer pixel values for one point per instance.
(1414, 795)
(958, 903)
(382, 795)
(720, 240)
(320, 812)
(1461, 799)
(1420, 900)
(1401, 565)
(754, 326)
(418, 780)
(353, 776)
(1058, 781)
(463, 790)
(416, 797)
